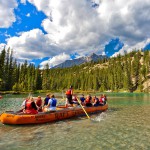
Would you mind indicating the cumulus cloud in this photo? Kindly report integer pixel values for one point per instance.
(2, 45)
(28, 15)
(55, 60)
(84, 27)
(23, 1)
(137, 46)
(32, 44)
(7, 16)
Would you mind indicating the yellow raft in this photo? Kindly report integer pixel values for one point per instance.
(10, 117)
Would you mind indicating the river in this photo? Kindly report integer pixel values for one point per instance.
(124, 126)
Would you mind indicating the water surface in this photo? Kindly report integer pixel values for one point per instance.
(125, 125)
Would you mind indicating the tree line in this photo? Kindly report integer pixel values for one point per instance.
(121, 73)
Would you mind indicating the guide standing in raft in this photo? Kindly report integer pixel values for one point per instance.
(69, 94)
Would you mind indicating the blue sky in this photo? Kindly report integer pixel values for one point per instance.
(27, 18)
(50, 31)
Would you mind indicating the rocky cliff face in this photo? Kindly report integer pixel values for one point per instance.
(81, 60)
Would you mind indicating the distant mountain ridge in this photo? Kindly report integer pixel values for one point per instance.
(70, 63)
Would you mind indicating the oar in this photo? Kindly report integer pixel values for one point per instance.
(83, 109)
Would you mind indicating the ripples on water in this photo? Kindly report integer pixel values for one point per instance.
(126, 126)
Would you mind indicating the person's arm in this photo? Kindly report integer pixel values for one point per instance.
(49, 103)
(23, 104)
(71, 91)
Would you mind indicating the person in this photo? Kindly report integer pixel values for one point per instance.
(51, 104)
(88, 101)
(39, 103)
(105, 99)
(23, 104)
(82, 99)
(101, 100)
(96, 101)
(75, 100)
(69, 94)
(30, 106)
(46, 99)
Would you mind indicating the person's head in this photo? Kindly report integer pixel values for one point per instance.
(39, 97)
(104, 95)
(48, 95)
(71, 86)
(88, 96)
(31, 99)
(82, 95)
(52, 96)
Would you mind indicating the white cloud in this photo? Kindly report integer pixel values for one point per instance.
(31, 45)
(55, 60)
(28, 15)
(7, 16)
(75, 26)
(2, 45)
(23, 1)
(137, 46)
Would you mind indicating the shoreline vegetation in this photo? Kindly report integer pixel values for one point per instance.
(128, 73)
(63, 92)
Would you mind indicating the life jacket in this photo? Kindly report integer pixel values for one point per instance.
(87, 100)
(29, 108)
(39, 102)
(28, 104)
(101, 100)
(68, 92)
(54, 102)
(75, 98)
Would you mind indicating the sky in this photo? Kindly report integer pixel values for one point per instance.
(52, 31)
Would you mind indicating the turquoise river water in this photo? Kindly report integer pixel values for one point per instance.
(124, 126)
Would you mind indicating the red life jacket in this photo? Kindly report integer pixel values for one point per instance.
(68, 92)
(29, 109)
(87, 100)
(28, 104)
(101, 100)
(39, 102)
(75, 98)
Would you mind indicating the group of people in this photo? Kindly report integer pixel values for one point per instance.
(85, 101)
(33, 106)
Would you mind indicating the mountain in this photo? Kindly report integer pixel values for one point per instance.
(81, 60)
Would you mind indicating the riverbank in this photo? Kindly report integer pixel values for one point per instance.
(63, 92)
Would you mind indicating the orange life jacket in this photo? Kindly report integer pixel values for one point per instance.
(68, 92)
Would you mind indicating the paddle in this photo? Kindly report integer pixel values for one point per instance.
(83, 109)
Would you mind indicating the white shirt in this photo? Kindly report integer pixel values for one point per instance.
(51, 107)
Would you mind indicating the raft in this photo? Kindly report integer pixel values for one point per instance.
(61, 113)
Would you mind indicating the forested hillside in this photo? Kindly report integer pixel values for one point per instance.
(130, 72)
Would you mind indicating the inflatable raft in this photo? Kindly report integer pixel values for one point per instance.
(61, 113)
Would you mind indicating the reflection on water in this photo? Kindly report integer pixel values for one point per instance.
(126, 126)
